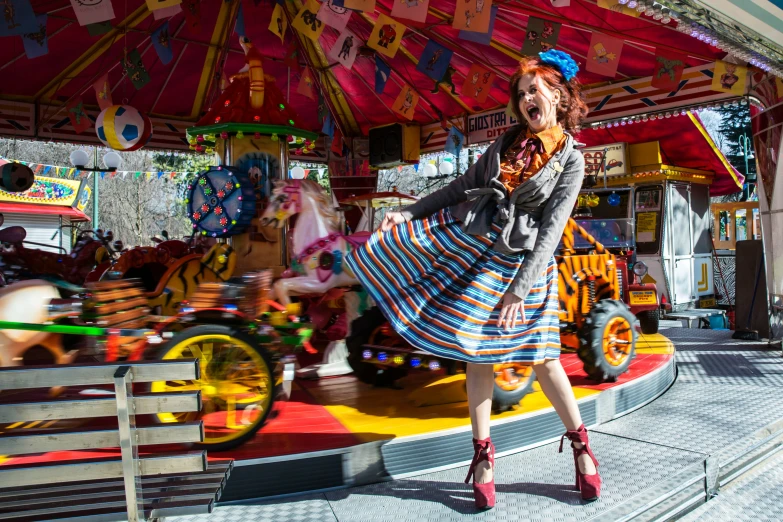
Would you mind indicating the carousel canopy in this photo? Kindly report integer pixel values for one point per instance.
(170, 63)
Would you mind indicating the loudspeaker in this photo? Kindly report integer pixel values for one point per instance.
(394, 144)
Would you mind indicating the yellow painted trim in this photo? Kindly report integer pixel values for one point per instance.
(109, 130)
(715, 148)
(92, 54)
(220, 34)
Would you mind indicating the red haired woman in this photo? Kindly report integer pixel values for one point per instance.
(468, 272)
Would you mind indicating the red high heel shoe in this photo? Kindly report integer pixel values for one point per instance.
(589, 485)
(483, 493)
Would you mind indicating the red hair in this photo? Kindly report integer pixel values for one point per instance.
(571, 110)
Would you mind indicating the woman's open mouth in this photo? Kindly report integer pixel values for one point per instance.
(533, 113)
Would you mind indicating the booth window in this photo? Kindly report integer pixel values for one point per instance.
(647, 203)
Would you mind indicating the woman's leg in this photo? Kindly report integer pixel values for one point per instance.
(480, 381)
(557, 388)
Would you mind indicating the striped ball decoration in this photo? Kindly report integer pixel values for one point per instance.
(123, 128)
(221, 202)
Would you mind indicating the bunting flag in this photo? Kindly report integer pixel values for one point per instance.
(192, 10)
(603, 57)
(94, 12)
(78, 116)
(345, 48)
(334, 15)
(168, 12)
(153, 5)
(306, 84)
(386, 36)
(729, 77)
(482, 38)
(239, 26)
(415, 10)
(337, 142)
(779, 87)
(560, 3)
(103, 92)
(18, 18)
(540, 36)
(363, 6)
(406, 102)
(134, 68)
(37, 44)
(434, 60)
(162, 43)
(328, 126)
(278, 24)
(454, 141)
(307, 22)
(292, 56)
(473, 15)
(382, 73)
(668, 69)
(618, 7)
(478, 83)
(99, 28)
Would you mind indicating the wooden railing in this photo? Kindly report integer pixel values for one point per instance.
(724, 222)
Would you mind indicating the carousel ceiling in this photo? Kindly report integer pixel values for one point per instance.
(181, 74)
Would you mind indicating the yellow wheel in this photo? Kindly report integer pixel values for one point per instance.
(236, 384)
(512, 382)
(607, 340)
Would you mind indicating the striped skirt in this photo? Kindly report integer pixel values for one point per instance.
(441, 288)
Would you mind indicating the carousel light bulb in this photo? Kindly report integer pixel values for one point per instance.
(623, 2)
(650, 11)
(657, 13)
(632, 4)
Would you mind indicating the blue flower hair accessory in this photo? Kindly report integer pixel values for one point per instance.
(561, 61)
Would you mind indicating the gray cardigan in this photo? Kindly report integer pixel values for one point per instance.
(533, 216)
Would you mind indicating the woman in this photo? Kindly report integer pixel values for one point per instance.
(468, 272)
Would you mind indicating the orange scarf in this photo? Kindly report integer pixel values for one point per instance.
(530, 152)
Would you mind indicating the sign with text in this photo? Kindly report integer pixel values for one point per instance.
(488, 126)
(617, 163)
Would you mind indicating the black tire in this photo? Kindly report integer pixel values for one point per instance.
(361, 331)
(233, 332)
(591, 340)
(649, 321)
(504, 398)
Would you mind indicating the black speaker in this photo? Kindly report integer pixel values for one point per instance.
(395, 144)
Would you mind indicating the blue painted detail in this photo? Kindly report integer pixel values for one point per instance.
(337, 266)
(62, 123)
(707, 72)
(130, 132)
(172, 127)
(101, 133)
(648, 102)
(678, 89)
(630, 89)
(120, 112)
(603, 102)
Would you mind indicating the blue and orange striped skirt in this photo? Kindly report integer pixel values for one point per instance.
(440, 288)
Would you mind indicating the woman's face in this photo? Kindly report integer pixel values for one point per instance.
(538, 102)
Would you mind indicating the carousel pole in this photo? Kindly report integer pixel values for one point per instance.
(95, 176)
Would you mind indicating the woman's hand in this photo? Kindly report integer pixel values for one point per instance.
(391, 219)
(508, 312)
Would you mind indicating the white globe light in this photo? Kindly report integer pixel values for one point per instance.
(446, 168)
(112, 160)
(79, 158)
(430, 170)
(297, 173)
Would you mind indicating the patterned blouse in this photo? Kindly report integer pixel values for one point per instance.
(528, 154)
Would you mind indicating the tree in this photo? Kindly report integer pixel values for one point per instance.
(734, 128)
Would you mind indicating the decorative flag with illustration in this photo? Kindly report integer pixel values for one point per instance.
(162, 43)
(192, 10)
(729, 77)
(239, 26)
(434, 60)
(668, 69)
(134, 68)
(153, 5)
(454, 141)
(18, 18)
(603, 57)
(337, 142)
(160, 14)
(478, 83)
(79, 119)
(364, 6)
(96, 11)
(473, 15)
(540, 36)
(37, 44)
(406, 102)
(779, 87)
(382, 73)
(328, 126)
(334, 15)
(278, 24)
(386, 36)
(292, 56)
(482, 38)
(345, 49)
(103, 92)
(306, 84)
(307, 22)
(415, 10)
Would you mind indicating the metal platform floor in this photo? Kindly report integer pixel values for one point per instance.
(722, 417)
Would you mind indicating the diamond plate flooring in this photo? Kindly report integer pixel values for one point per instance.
(726, 390)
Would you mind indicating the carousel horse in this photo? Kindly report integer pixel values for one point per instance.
(318, 251)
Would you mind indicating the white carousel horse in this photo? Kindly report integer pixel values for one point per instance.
(318, 252)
